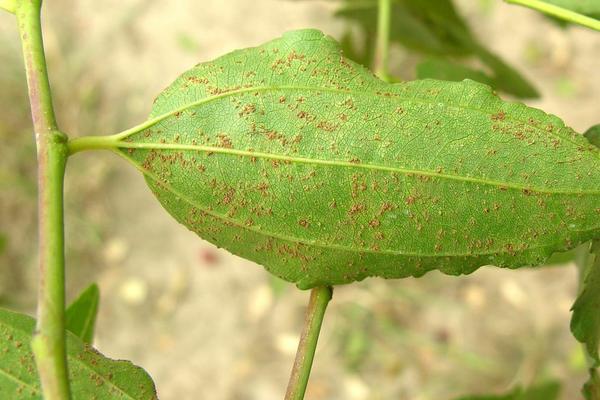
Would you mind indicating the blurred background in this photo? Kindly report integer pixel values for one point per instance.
(208, 325)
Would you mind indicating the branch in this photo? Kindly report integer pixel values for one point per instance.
(48, 342)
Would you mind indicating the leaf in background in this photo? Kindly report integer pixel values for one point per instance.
(435, 68)
(591, 8)
(546, 391)
(296, 158)
(91, 375)
(81, 314)
(591, 389)
(593, 135)
(3, 242)
(432, 28)
(585, 321)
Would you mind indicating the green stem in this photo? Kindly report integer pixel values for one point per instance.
(93, 143)
(383, 39)
(319, 298)
(559, 12)
(48, 342)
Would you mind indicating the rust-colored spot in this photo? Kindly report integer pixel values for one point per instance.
(304, 223)
(356, 208)
(499, 116)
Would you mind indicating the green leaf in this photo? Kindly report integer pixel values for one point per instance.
(91, 375)
(81, 314)
(546, 391)
(593, 135)
(3, 242)
(591, 8)
(294, 157)
(449, 71)
(433, 28)
(591, 389)
(585, 321)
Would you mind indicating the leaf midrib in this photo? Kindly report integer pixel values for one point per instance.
(229, 93)
(347, 164)
(297, 240)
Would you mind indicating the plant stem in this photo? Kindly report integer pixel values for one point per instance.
(48, 342)
(319, 298)
(559, 12)
(383, 40)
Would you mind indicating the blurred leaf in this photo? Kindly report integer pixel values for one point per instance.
(546, 391)
(591, 389)
(432, 28)
(91, 375)
(81, 314)
(449, 71)
(564, 257)
(278, 285)
(591, 8)
(326, 175)
(563, 12)
(3, 242)
(585, 321)
(593, 135)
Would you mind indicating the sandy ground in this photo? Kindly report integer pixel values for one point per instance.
(208, 325)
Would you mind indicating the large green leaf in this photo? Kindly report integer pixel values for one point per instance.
(433, 28)
(292, 156)
(81, 314)
(91, 375)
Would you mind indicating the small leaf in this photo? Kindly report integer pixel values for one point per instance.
(81, 314)
(585, 321)
(91, 375)
(296, 158)
(545, 391)
(593, 135)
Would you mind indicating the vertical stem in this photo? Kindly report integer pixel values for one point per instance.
(319, 298)
(48, 342)
(383, 39)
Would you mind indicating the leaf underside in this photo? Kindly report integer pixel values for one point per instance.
(91, 375)
(303, 161)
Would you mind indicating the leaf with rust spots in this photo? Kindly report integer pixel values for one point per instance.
(332, 175)
(91, 375)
